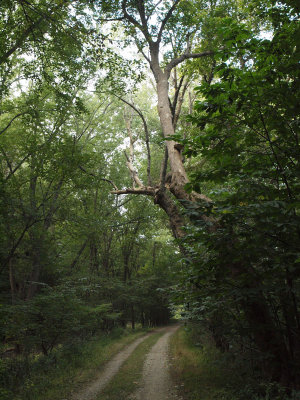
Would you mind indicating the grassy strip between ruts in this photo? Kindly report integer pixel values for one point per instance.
(126, 381)
(75, 369)
(199, 372)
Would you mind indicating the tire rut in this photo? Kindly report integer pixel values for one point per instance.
(109, 371)
(156, 382)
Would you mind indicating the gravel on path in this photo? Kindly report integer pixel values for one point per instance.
(156, 382)
(110, 370)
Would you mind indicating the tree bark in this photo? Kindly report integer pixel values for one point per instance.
(179, 176)
(162, 198)
(13, 284)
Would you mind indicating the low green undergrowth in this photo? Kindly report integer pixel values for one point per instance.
(65, 370)
(197, 371)
(129, 376)
(202, 372)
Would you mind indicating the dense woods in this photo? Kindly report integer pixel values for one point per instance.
(150, 164)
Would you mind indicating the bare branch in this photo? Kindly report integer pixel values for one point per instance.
(149, 191)
(130, 158)
(133, 173)
(146, 136)
(74, 262)
(124, 202)
(179, 102)
(17, 166)
(186, 56)
(141, 8)
(110, 19)
(154, 8)
(106, 108)
(7, 161)
(95, 176)
(11, 121)
(140, 49)
(88, 173)
(109, 181)
(165, 20)
(177, 90)
(90, 121)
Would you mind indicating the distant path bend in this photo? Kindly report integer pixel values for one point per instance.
(156, 382)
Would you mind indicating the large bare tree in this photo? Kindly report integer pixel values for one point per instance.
(152, 25)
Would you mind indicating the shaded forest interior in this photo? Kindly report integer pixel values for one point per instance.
(149, 167)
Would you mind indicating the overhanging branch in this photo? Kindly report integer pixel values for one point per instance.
(149, 191)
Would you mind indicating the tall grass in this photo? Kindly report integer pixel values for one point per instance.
(197, 369)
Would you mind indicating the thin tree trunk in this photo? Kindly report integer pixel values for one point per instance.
(12, 281)
(132, 317)
(76, 259)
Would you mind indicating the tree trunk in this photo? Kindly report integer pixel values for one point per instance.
(132, 317)
(142, 319)
(179, 175)
(36, 249)
(12, 281)
(168, 205)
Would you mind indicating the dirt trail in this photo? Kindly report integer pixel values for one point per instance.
(109, 372)
(156, 383)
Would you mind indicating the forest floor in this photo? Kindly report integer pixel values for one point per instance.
(156, 382)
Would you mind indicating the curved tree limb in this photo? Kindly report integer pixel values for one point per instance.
(149, 191)
(95, 176)
(186, 56)
(146, 136)
(130, 159)
(11, 121)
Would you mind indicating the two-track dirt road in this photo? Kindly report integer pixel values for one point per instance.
(156, 383)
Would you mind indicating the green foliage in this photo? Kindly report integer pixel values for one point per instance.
(202, 370)
(52, 317)
(243, 270)
(70, 251)
(71, 365)
(74, 258)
